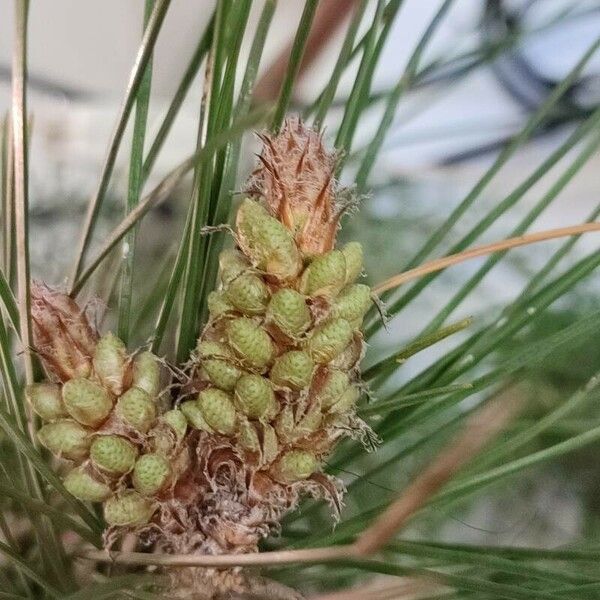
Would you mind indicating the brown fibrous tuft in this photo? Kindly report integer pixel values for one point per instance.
(295, 177)
(64, 338)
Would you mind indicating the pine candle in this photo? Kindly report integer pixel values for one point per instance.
(272, 384)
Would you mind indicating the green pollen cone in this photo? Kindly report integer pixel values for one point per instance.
(294, 465)
(247, 436)
(209, 349)
(231, 264)
(110, 358)
(46, 400)
(86, 401)
(309, 423)
(268, 244)
(66, 439)
(137, 409)
(218, 410)
(251, 343)
(249, 294)
(128, 509)
(331, 387)
(177, 421)
(293, 370)
(353, 253)
(325, 276)
(346, 402)
(254, 396)
(193, 413)
(221, 373)
(289, 312)
(329, 340)
(113, 454)
(150, 474)
(352, 303)
(146, 373)
(218, 304)
(85, 487)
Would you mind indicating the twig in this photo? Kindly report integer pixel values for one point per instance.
(454, 259)
(278, 557)
(479, 430)
(8, 212)
(19, 128)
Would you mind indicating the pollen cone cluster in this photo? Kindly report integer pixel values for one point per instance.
(100, 410)
(271, 385)
(275, 372)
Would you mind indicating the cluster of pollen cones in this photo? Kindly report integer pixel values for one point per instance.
(212, 463)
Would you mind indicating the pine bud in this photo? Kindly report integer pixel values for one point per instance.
(128, 509)
(218, 304)
(220, 373)
(110, 360)
(113, 454)
(330, 388)
(353, 253)
(289, 312)
(294, 465)
(267, 243)
(218, 410)
(325, 276)
(193, 413)
(146, 373)
(292, 369)
(66, 439)
(46, 400)
(249, 294)
(136, 407)
(150, 474)
(251, 343)
(254, 396)
(231, 264)
(328, 340)
(84, 486)
(352, 303)
(86, 401)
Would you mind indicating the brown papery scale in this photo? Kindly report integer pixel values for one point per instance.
(271, 386)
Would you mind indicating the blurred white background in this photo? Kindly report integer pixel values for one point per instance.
(81, 53)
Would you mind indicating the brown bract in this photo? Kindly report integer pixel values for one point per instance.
(63, 336)
(296, 179)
